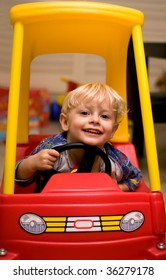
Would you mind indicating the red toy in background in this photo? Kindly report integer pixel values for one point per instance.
(4, 92)
(39, 108)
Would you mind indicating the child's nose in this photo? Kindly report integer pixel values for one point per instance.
(95, 118)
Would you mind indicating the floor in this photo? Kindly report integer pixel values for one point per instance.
(160, 130)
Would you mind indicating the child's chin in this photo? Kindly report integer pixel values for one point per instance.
(92, 143)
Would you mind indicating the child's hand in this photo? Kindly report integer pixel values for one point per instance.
(45, 159)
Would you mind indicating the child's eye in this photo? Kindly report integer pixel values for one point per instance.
(105, 116)
(84, 113)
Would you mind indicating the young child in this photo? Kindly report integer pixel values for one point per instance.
(90, 114)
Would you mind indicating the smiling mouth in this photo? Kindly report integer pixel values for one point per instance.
(92, 131)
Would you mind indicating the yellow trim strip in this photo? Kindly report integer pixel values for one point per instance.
(52, 224)
(111, 228)
(110, 218)
(111, 223)
(54, 219)
(55, 230)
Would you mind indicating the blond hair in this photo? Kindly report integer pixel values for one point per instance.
(96, 92)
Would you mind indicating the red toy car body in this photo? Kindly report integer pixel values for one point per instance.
(83, 216)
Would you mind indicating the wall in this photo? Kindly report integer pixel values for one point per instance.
(48, 70)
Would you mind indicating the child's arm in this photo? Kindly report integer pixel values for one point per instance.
(43, 160)
(124, 187)
(131, 174)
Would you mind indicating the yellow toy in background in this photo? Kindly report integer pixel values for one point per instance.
(56, 105)
(70, 86)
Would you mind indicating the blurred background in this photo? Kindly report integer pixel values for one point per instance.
(53, 75)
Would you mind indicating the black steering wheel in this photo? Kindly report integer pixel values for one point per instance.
(85, 165)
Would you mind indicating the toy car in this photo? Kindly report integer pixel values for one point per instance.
(79, 215)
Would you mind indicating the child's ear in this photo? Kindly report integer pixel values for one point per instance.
(64, 122)
(115, 127)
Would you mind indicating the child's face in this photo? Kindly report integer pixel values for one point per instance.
(92, 124)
